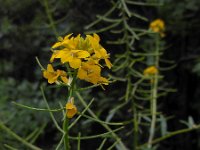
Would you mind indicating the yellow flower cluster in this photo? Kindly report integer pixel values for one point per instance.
(83, 55)
(158, 26)
(150, 70)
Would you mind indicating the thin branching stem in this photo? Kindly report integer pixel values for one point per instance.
(49, 15)
(17, 137)
(122, 146)
(154, 96)
(51, 114)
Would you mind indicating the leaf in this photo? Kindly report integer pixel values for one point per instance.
(163, 122)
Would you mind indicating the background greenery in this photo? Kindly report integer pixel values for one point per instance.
(25, 32)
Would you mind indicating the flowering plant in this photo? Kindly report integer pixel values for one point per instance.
(82, 56)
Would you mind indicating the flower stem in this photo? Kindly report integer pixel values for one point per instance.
(135, 124)
(50, 17)
(66, 136)
(171, 134)
(154, 96)
(66, 120)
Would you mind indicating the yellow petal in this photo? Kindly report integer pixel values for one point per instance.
(48, 75)
(69, 105)
(52, 80)
(103, 52)
(51, 77)
(103, 80)
(61, 72)
(64, 79)
(96, 36)
(50, 68)
(63, 75)
(58, 44)
(45, 74)
(82, 74)
(75, 63)
(66, 57)
(93, 78)
(95, 69)
(71, 109)
(108, 63)
(52, 57)
(70, 113)
(67, 36)
(95, 44)
(75, 51)
(97, 54)
(83, 54)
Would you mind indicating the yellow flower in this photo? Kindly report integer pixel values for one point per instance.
(102, 54)
(52, 76)
(91, 72)
(62, 42)
(83, 54)
(150, 70)
(158, 26)
(94, 41)
(74, 57)
(71, 109)
(63, 75)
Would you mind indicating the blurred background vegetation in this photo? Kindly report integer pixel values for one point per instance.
(25, 32)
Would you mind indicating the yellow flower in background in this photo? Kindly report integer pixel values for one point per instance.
(158, 26)
(71, 109)
(52, 76)
(150, 70)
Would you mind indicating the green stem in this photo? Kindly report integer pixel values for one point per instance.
(51, 114)
(10, 147)
(49, 15)
(37, 109)
(154, 97)
(135, 116)
(135, 123)
(79, 141)
(121, 144)
(96, 136)
(81, 114)
(66, 120)
(157, 140)
(102, 144)
(66, 136)
(38, 61)
(33, 147)
(60, 143)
